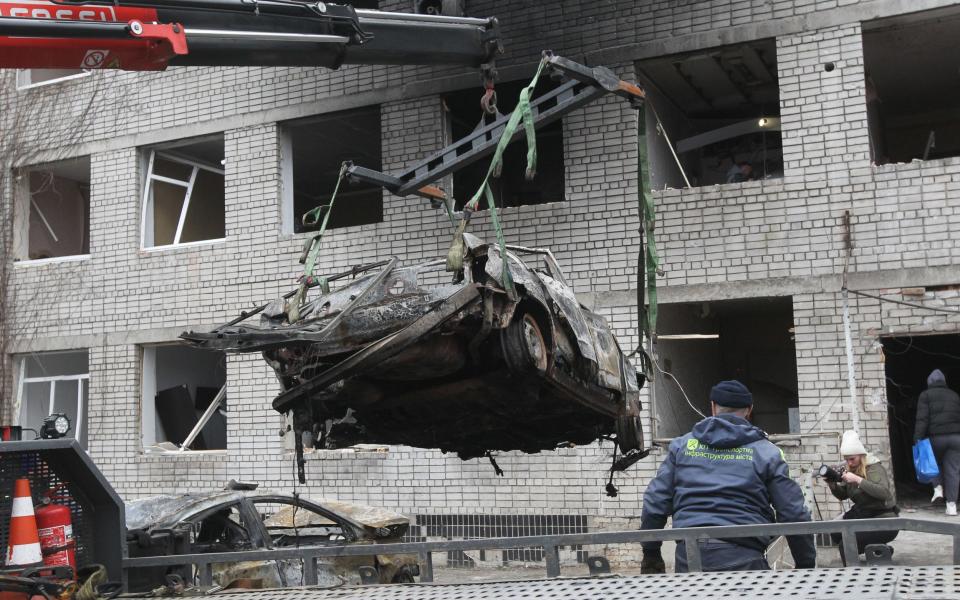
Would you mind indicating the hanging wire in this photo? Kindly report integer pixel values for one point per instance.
(682, 391)
(951, 311)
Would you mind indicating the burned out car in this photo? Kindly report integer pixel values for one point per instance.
(234, 520)
(406, 356)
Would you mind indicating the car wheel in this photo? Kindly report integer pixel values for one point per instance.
(629, 433)
(524, 346)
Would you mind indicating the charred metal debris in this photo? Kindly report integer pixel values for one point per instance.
(397, 356)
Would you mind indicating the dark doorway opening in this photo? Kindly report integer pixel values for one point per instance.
(908, 361)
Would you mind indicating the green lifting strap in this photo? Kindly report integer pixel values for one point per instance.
(521, 114)
(311, 250)
(648, 321)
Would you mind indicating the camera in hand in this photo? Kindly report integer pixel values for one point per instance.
(831, 474)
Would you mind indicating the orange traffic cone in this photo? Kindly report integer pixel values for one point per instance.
(24, 548)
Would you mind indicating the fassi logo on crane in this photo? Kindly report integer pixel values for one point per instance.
(45, 10)
(23, 49)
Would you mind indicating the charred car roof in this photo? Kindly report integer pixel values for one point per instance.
(166, 511)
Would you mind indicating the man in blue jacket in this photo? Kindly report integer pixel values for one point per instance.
(725, 472)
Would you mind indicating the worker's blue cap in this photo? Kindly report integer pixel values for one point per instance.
(732, 394)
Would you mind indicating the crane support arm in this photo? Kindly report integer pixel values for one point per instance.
(582, 86)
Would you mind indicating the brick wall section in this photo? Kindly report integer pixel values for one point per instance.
(823, 111)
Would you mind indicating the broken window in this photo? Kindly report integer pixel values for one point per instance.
(54, 382)
(27, 78)
(183, 198)
(511, 188)
(912, 89)
(720, 109)
(291, 522)
(184, 402)
(704, 343)
(220, 529)
(313, 150)
(53, 210)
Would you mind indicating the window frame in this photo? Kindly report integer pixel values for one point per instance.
(289, 218)
(148, 202)
(82, 380)
(25, 206)
(29, 86)
(350, 529)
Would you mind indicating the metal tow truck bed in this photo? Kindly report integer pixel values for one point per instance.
(870, 583)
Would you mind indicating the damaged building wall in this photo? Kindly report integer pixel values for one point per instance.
(756, 239)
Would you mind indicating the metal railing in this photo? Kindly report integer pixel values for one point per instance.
(552, 543)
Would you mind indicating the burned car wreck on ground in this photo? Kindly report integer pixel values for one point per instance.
(234, 520)
(398, 356)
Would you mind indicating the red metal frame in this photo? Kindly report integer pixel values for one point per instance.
(149, 48)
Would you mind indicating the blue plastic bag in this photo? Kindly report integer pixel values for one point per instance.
(924, 461)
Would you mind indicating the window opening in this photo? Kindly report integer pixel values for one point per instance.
(464, 115)
(912, 88)
(29, 78)
(53, 210)
(184, 195)
(721, 107)
(184, 404)
(291, 524)
(221, 530)
(313, 150)
(702, 344)
(54, 382)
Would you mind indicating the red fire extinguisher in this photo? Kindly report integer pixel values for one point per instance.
(56, 535)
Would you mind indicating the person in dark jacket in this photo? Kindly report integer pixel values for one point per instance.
(725, 472)
(865, 483)
(938, 417)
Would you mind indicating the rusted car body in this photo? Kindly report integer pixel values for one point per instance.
(227, 521)
(405, 356)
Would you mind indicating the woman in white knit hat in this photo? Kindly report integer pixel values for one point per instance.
(864, 482)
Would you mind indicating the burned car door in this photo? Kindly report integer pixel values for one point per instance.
(294, 522)
(233, 527)
(223, 529)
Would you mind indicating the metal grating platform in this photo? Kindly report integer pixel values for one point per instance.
(909, 583)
